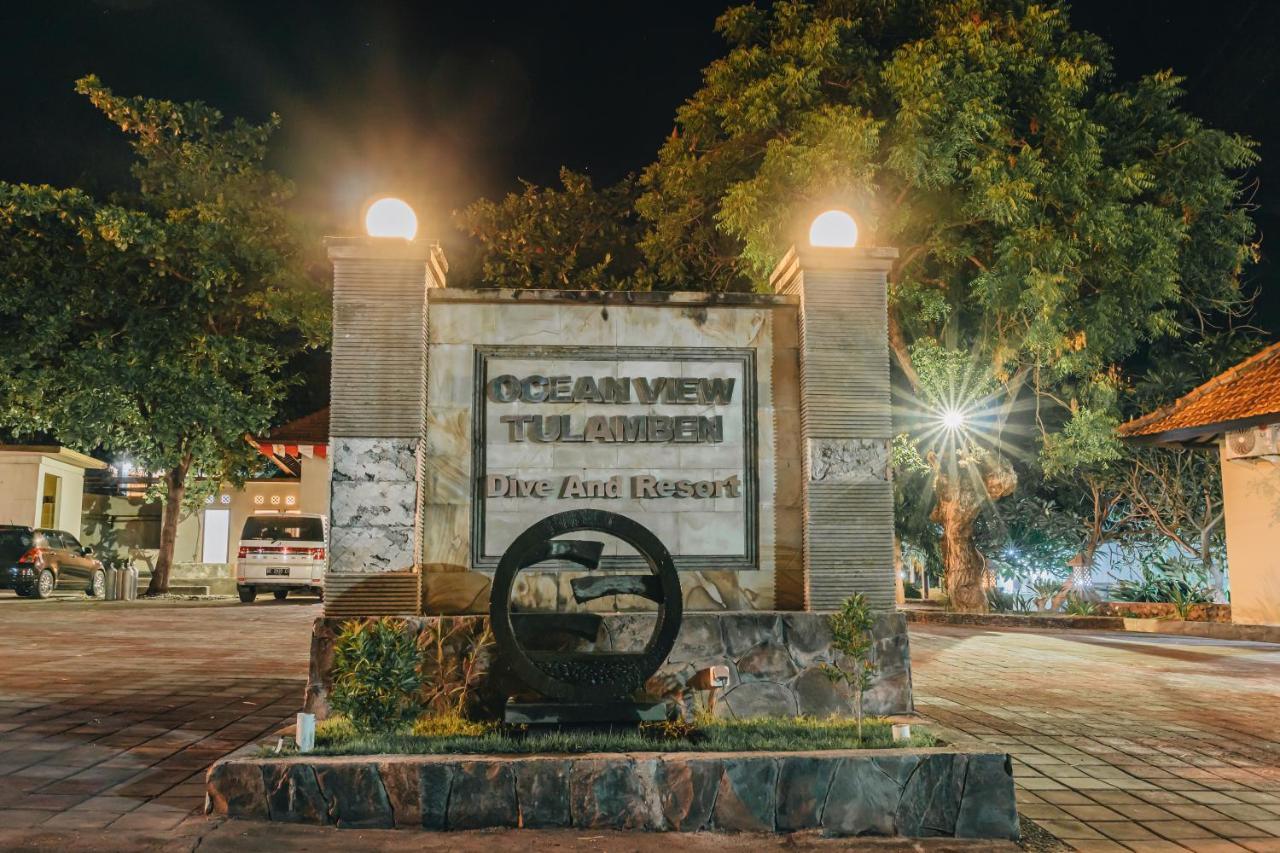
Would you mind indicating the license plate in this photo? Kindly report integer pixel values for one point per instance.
(280, 571)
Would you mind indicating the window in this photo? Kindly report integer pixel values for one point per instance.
(70, 542)
(14, 543)
(283, 529)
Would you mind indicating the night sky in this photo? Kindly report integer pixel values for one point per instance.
(443, 102)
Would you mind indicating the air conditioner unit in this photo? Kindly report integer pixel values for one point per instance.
(1254, 444)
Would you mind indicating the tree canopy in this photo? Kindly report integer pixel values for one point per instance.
(155, 324)
(1056, 225)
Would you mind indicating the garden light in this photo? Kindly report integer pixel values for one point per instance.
(390, 217)
(834, 229)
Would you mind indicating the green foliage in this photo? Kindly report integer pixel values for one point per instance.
(910, 591)
(455, 656)
(1165, 579)
(1000, 601)
(450, 725)
(375, 675)
(854, 645)
(1045, 588)
(155, 325)
(577, 237)
(1077, 606)
(439, 736)
(1049, 216)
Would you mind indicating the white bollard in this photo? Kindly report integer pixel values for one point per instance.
(305, 732)
(901, 731)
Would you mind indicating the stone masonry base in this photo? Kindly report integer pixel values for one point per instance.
(774, 661)
(909, 792)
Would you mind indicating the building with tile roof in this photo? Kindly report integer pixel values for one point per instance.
(1239, 412)
(1244, 396)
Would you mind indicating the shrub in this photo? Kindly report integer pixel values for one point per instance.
(1165, 580)
(455, 655)
(375, 675)
(851, 638)
(1077, 606)
(1000, 601)
(910, 590)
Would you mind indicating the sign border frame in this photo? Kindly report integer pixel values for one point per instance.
(747, 561)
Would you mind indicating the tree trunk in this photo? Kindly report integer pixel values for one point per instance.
(1214, 571)
(899, 592)
(961, 486)
(176, 487)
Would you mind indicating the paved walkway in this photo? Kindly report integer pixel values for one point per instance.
(1121, 741)
(109, 714)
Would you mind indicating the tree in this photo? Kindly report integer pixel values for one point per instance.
(155, 324)
(576, 237)
(852, 641)
(1051, 220)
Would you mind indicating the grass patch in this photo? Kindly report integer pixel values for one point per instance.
(447, 735)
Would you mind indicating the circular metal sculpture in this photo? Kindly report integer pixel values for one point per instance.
(588, 676)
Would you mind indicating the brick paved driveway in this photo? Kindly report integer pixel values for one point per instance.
(111, 712)
(1121, 741)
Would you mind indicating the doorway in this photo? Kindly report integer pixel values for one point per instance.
(49, 501)
(217, 525)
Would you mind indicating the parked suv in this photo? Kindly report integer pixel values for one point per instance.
(35, 561)
(281, 553)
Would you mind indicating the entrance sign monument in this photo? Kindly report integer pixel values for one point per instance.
(634, 491)
(748, 433)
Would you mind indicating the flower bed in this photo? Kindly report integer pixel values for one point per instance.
(437, 736)
(1165, 610)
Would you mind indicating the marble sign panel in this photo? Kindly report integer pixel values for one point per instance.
(667, 435)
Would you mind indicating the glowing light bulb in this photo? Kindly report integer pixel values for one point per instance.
(390, 217)
(834, 229)
(953, 419)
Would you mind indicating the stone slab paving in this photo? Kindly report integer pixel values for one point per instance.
(111, 712)
(1120, 741)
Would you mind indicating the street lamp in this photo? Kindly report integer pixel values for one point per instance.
(834, 229)
(390, 217)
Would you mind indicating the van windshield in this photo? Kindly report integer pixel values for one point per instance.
(284, 529)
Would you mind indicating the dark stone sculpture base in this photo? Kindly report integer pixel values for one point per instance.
(887, 792)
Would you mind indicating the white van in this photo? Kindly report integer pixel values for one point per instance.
(282, 553)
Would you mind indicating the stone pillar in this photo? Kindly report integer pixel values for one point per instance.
(378, 402)
(845, 421)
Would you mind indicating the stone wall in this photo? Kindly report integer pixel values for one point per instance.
(774, 661)
(909, 792)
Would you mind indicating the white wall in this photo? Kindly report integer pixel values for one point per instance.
(70, 493)
(1251, 493)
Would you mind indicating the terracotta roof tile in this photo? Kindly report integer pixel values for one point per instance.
(308, 429)
(1248, 391)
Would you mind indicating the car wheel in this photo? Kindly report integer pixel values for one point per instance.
(281, 594)
(98, 586)
(247, 594)
(45, 584)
